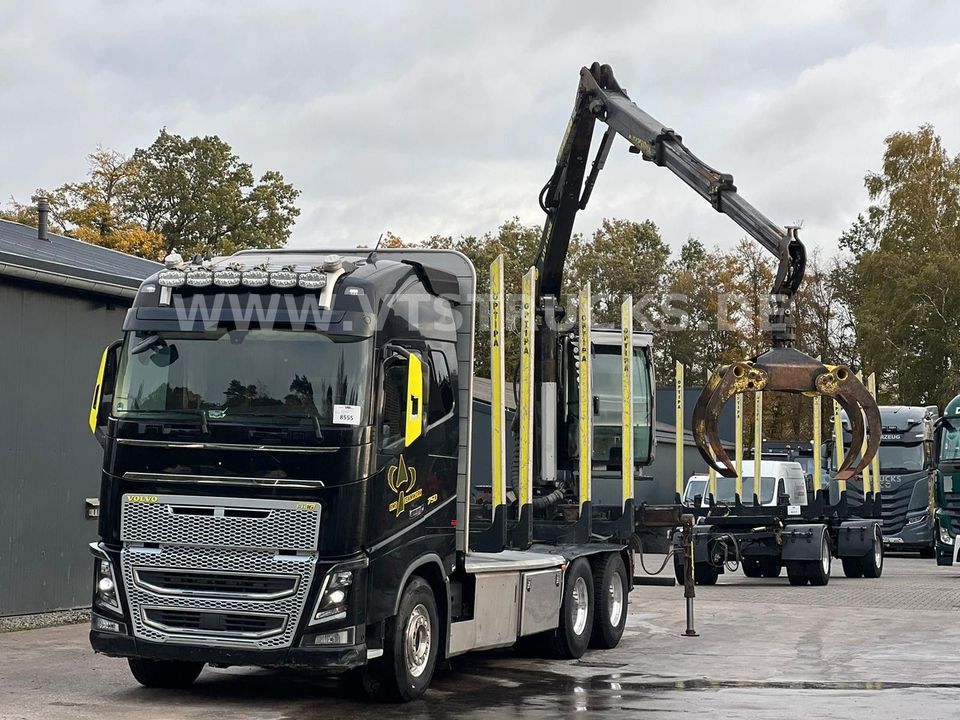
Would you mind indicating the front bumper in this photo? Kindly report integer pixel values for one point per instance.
(917, 534)
(332, 659)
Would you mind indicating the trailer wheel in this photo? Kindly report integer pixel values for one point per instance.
(610, 590)
(572, 636)
(164, 673)
(770, 567)
(705, 573)
(797, 572)
(872, 562)
(751, 568)
(852, 567)
(411, 642)
(818, 572)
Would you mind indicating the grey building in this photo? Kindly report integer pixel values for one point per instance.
(61, 302)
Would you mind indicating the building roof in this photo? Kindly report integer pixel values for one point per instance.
(68, 262)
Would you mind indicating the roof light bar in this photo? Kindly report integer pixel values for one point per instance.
(312, 280)
(226, 278)
(172, 278)
(283, 279)
(255, 277)
(199, 277)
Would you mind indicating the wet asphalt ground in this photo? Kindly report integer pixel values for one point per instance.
(872, 649)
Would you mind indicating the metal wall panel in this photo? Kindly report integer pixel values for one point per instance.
(50, 348)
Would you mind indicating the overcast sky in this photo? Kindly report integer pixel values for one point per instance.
(444, 118)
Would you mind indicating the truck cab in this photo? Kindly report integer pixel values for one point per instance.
(903, 483)
(947, 444)
(287, 475)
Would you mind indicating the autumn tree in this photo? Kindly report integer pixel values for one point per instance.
(194, 195)
(906, 267)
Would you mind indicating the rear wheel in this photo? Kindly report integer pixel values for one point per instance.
(610, 591)
(705, 573)
(572, 636)
(852, 567)
(872, 563)
(411, 642)
(797, 572)
(164, 673)
(818, 572)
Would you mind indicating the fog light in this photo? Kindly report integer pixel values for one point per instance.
(104, 625)
(226, 278)
(283, 279)
(255, 277)
(171, 278)
(945, 537)
(340, 637)
(312, 280)
(199, 278)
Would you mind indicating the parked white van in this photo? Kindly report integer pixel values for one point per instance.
(777, 478)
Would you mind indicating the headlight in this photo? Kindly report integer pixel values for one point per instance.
(332, 603)
(106, 585)
(945, 536)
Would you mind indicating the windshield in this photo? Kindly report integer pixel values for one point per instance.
(727, 488)
(905, 458)
(950, 444)
(228, 373)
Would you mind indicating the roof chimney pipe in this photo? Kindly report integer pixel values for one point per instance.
(43, 215)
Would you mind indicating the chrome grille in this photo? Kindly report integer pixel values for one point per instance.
(207, 570)
(219, 522)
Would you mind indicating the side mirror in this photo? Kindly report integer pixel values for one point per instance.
(104, 389)
(414, 418)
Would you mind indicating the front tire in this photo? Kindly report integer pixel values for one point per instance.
(572, 636)
(610, 591)
(797, 573)
(411, 644)
(166, 674)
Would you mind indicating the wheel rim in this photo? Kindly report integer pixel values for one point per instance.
(825, 558)
(417, 641)
(877, 550)
(581, 604)
(615, 595)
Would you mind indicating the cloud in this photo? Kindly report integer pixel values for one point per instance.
(430, 117)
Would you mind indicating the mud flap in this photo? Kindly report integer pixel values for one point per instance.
(802, 542)
(855, 538)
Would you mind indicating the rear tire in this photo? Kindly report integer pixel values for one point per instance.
(411, 643)
(164, 673)
(818, 572)
(852, 567)
(872, 563)
(705, 573)
(610, 591)
(572, 636)
(797, 573)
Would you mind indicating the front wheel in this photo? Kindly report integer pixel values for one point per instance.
(796, 572)
(572, 636)
(411, 642)
(872, 563)
(164, 673)
(610, 591)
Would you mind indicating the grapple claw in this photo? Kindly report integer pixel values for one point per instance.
(791, 371)
(728, 381)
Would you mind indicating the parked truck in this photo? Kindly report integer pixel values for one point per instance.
(287, 449)
(947, 459)
(905, 493)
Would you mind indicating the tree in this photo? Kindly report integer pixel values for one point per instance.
(199, 195)
(194, 195)
(904, 287)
